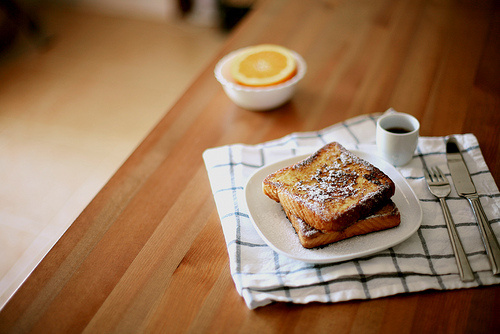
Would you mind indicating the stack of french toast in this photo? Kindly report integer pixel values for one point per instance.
(333, 195)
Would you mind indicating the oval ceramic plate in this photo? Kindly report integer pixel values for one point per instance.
(273, 226)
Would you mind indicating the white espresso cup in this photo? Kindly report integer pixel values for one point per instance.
(397, 137)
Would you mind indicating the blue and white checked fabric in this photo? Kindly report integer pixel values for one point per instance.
(424, 261)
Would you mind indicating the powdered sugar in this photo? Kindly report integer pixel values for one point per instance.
(332, 181)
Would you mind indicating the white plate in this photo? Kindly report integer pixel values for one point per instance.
(273, 226)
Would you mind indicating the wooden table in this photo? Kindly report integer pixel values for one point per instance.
(148, 253)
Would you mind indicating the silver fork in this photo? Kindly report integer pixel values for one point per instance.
(440, 187)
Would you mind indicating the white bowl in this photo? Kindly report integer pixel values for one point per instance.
(257, 98)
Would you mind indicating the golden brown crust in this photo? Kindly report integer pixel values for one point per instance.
(309, 237)
(331, 189)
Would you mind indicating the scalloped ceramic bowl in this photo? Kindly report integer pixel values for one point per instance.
(257, 98)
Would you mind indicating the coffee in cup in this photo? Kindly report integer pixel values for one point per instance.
(397, 137)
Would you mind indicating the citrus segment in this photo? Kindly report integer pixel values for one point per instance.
(263, 65)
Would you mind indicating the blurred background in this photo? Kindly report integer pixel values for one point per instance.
(82, 82)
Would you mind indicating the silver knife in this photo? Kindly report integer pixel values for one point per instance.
(465, 188)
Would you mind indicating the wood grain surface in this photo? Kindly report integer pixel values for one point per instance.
(148, 253)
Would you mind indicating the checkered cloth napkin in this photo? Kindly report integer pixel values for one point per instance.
(424, 261)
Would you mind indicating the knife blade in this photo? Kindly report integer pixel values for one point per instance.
(465, 188)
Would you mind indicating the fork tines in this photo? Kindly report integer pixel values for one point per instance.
(436, 176)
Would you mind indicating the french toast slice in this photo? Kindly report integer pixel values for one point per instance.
(309, 237)
(331, 189)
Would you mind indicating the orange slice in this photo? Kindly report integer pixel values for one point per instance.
(263, 65)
